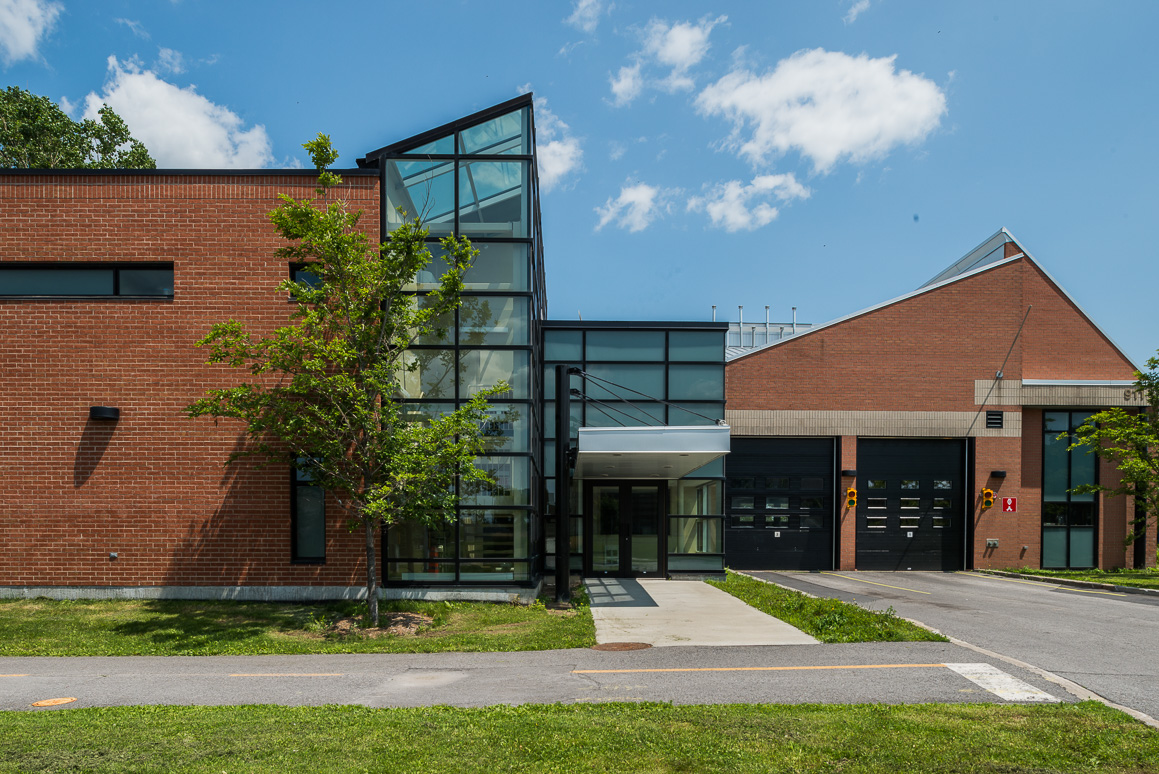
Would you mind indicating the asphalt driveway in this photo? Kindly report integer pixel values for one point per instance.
(1104, 641)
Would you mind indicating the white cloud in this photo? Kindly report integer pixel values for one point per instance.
(626, 85)
(735, 206)
(173, 61)
(635, 208)
(856, 10)
(679, 46)
(826, 105)
(616, 150)
(135, 27)
(23, 24)
(586, 14)
(181, 128)
(557, 151)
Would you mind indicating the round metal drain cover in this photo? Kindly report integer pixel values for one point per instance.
(622, 646)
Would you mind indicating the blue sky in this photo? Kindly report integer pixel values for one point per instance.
(826, 155)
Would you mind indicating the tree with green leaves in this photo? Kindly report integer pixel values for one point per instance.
(36, 134)
(324, 397)
(1130, 439)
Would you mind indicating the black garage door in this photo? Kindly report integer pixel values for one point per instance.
(910, 509)
(779, 502)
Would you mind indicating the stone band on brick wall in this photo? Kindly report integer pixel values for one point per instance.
(918, 424)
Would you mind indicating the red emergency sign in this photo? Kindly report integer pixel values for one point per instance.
(1009, 504)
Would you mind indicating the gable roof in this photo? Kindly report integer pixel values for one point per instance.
(989, 255)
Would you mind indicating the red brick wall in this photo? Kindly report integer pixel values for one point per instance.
(151, 487)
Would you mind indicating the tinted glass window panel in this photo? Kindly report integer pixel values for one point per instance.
(499, 266)
(310, 523)
(424, 571)
(694, 536)
(482, 369)
(688, 497)
(429, 277)
(444, 146)
(493, 571)
(494, 320)
(642, 378)
(695, 413)
(146, 282)
(441, 329)
(632, 346)
(411, 540)
(779, 521)
(505, 134)
(425, 191)
(1082, 471)
(432, 376)
(696, 382)
(1056, 421)
(696, 563)
(696, 345)
(493, 534)
(563, 345)
(621, 414)
(1056, 461)
(512, 485)
(507, 428)
(493, 199)
(56, 282)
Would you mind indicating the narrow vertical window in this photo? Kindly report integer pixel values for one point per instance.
(308, 522)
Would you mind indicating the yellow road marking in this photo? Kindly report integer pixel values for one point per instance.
(859, 580)
(754, 669)
(54, 702)
(1048, 584)
(287, 674)
(14, 675)
(1040, 584)
(1093, 591)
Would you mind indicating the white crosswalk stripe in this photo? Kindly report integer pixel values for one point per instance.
(1000, 683)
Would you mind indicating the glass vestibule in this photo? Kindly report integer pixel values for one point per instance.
(1068, 519)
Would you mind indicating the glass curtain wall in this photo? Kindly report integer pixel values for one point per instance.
(683, 366)
(476, 178)
(1068, 519)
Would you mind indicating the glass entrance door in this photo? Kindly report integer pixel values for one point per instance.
(625, 531)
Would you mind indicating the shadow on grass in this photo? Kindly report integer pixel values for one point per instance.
(191, 626)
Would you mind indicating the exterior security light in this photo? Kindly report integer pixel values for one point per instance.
(849, 472)
(104, 412)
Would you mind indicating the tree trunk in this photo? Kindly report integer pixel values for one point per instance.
(371, 574)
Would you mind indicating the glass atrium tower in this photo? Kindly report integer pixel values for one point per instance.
(476, 177)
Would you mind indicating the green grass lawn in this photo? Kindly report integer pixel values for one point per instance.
(1147, 579)
(43, 627)
(583, 738)
(829, 620)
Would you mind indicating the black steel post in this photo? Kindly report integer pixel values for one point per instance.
(562, 484)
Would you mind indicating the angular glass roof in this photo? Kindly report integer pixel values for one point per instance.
(503, 129)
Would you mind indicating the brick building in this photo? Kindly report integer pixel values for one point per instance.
(108, 278)
(918, 404)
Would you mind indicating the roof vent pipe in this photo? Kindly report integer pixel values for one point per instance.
(740, 324)
(766, 323)
(714, 312)
(794, 320)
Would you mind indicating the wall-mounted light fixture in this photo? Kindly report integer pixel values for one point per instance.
(997, 474)
(104, 412)
(850, 472)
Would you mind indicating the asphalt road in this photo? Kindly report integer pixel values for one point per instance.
(879, 672)
(1104, 641)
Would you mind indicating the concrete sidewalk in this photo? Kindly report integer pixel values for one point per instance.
(662, 612)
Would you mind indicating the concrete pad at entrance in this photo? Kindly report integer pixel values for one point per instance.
(663, 612)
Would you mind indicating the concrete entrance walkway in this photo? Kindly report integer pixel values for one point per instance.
(662, 612)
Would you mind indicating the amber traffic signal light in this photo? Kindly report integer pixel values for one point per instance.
(850, 498)
(987, 497)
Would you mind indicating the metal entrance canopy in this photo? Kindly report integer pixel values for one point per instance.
(648, 452)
